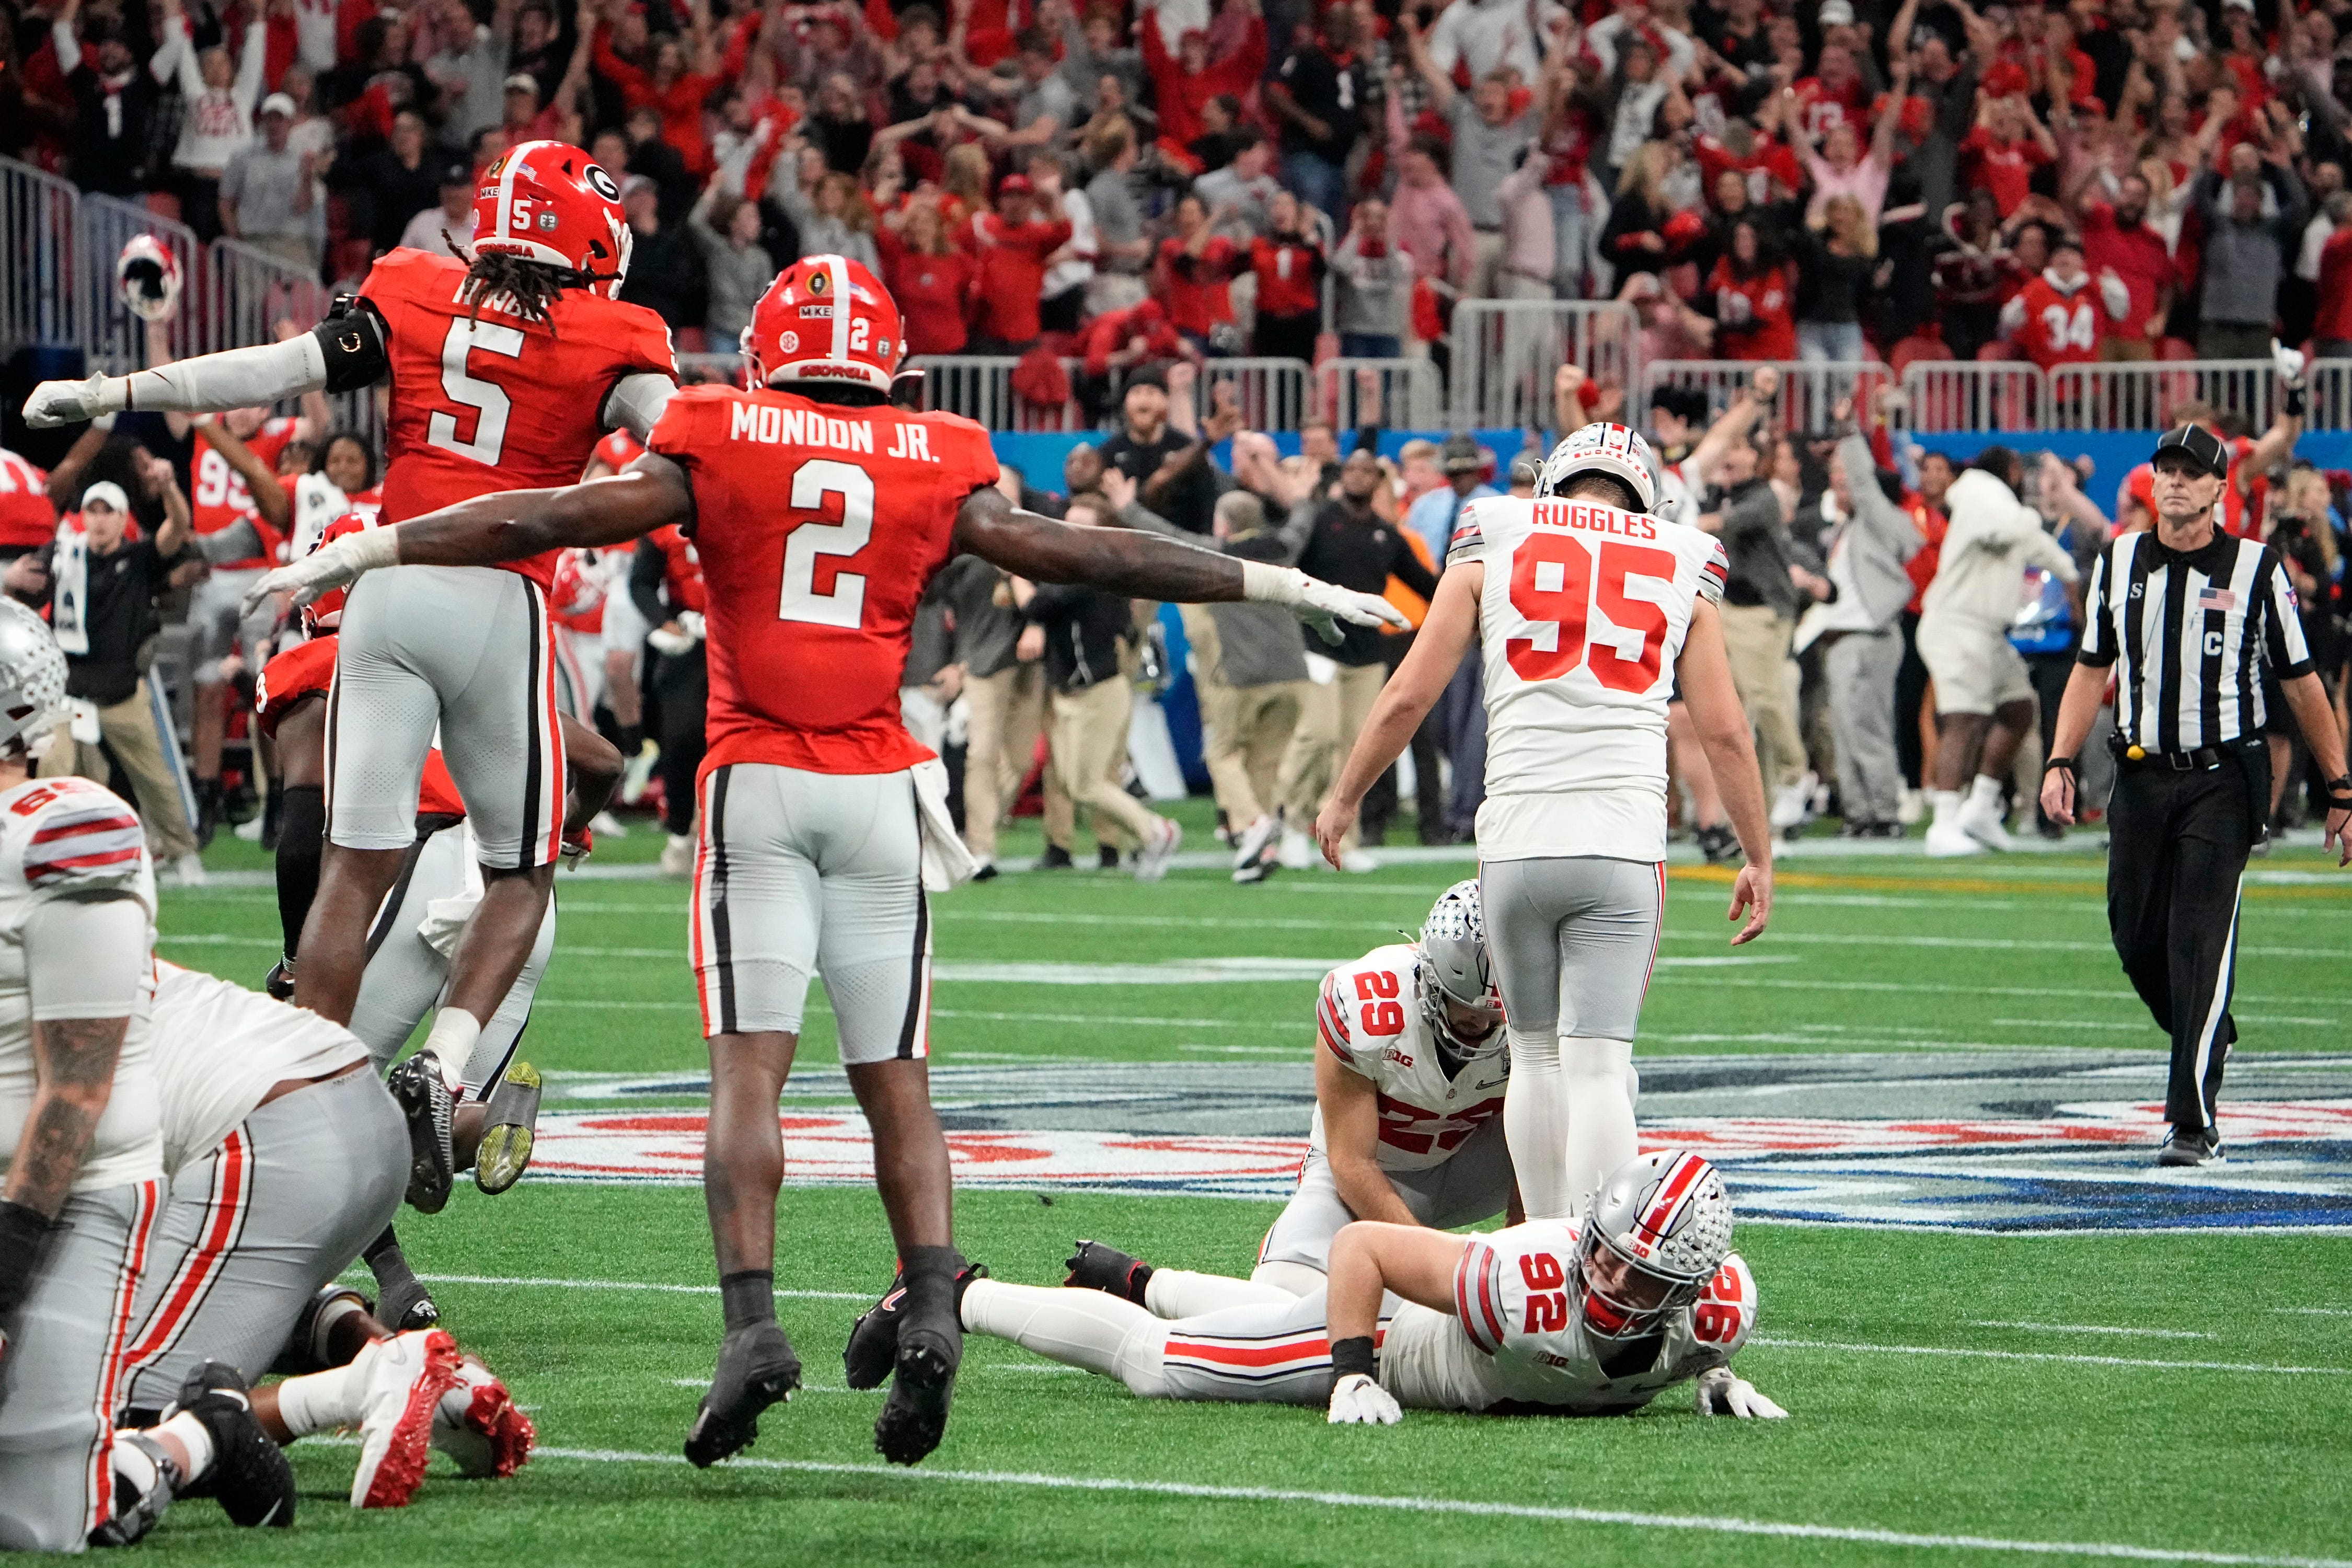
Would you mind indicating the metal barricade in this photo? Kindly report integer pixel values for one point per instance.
(1810, 389)
(980, 387)
(1974, 395)
(40, 224)
(113, 336)
(1394, 394)
(2330, 390)
(2143, 395)
(1506, 353)
(249, 291)
(1270, 393)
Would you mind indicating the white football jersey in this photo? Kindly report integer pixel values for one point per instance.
(66, 838)
(219, 1050)
(1583, 615)
(317, 503)
(1369, 1016)
(1516, 1339)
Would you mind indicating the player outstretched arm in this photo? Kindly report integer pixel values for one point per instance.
(343, 353)
(1145, 566)
(1704, 672)
(1437, 652)
(505, 525)
(1366, 1258)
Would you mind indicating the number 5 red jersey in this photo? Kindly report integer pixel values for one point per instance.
(818, 528)
(498, 403)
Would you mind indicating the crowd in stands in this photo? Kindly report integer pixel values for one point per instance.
(1138, 187)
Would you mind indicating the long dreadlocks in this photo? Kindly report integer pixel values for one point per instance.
(532, 285)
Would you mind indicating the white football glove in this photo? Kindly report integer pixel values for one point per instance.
(56, 403)
(669, 644)
(1360, 1401)
(1317, 603)
(1721, 1393)
(2289, 362)
(328, 567)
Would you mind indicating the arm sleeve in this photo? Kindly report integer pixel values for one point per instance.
(234, 378)
(648, 571)
(637, 402)
(2098, 642)
(84, 956)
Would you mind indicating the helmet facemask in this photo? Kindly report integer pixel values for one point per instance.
(1460, 1000)
(1621, 1298)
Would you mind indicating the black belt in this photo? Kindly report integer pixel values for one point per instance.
(2203, 757)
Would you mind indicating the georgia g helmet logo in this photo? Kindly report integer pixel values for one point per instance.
(601, 182)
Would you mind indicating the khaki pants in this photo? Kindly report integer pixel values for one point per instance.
(1756, 637)
(1249, 729)
(1006, 710)
(1328, 722)
(2125, 351)
(1089, 744)
(129, 730)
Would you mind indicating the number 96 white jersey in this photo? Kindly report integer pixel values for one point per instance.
(1583, 615)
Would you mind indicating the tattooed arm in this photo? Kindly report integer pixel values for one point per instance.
(73, 1060)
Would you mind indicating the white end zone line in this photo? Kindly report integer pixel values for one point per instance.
(629, 1285)
(2052, 1355)
(1701, 1523)
(2091, 1329)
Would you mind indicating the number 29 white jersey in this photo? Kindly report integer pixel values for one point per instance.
(1583, 615)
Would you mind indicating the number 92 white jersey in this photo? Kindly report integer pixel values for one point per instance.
(1583, 615)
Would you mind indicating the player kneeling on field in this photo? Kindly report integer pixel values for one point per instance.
(1545, 1318)
(286, 1156)
(1410, 1072)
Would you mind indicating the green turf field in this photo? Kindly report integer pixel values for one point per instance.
(1982, 1360)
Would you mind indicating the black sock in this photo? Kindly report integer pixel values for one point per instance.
(387, 1262)
(633, 740)
(749, 1298)
(301, 842)
(1138, 1280)
(930, 1273)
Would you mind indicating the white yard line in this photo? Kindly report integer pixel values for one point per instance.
(2092, 1328)
(2316, 1312)
(527, 1283)
(1708, 1524)
(2055, 1356)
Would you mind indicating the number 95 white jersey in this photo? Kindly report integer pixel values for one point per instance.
(1583, 615)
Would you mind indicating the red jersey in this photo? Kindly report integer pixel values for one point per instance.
(1112, 330)
(818, 528)
(1921, 568)
(1770, 164)
(1289, 276)
(1824, 106)
(28, 520)
(2004, 168)
(2334, 320)
(1011, 269)
(2137, 255)
(221, 499)
(2062, 327)
(933, 293)
(1755, 317)
(1193, 288)
(619, 450)
(501, 403)
(681, 570)
(307, 669)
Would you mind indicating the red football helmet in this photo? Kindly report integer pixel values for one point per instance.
(325, 613)
(825, 318)
(544, 201)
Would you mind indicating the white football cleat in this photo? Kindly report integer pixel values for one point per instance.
(1151, 860)
(409, 1374)
(1980, 820)
(1946, 840)
(677, 855)
(190, 871)
(1298, 851)
(478, 1425)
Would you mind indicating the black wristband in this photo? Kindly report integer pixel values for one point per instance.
(2339, 792)
(351, 341)
(24, 1236)
(1349, 1357)
(2291, 400)
(2066, 763)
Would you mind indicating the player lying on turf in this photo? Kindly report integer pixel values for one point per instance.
(286, 1156)
(820, 513)
(480, 1111)
(1410, 1072)
(1547, 1318)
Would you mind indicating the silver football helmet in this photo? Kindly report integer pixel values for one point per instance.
(32, 677)
(1459, 996)
(1652, 1236)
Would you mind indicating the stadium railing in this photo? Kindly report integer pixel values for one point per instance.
(1504, 353)
(1270, 393)
(41, 297)
(1394, 394)
(1974, 394)
(1810, 389)
(980, 387)
(2141, 395)
(113, 337)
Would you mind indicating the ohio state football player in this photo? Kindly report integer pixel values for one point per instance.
(489, 361)
(819, 512)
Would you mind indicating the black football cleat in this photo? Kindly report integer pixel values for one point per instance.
(756, 1369)
(513, 1117)
(873, 1348)
(1094, 1267)
(915, 1418)
(425, 1103)
(248, 1474)
(279, 981)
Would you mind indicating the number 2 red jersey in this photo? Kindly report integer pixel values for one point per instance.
(498, 403)
(818, 528)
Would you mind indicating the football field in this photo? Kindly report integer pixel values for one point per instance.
(2001, 1333)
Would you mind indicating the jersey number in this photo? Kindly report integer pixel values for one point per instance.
(217, 484)
(1715, 1320)
(2081, 331)
(487, 399)
(1554, 583)
(1380, 1017)
(812, 483)
(1546, 1302)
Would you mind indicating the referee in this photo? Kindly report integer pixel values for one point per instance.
(2190, 619)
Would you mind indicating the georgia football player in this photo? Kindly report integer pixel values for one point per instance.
(505, 371)
(819, 512)
(80, 1136)
(284, 1159)
(1409, 1082)
(1591, 609)
(1594, 1317)
(408, 969)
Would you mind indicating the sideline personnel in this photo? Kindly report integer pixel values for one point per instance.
(2193, 771)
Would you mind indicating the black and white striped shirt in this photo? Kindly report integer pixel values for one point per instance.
(2190, 636)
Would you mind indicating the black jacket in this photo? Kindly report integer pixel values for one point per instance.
(1082, 630)
(1357, 550)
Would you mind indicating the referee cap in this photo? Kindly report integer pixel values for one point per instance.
(2202, 447)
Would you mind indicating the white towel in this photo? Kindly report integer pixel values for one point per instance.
(70, 592)
(946, 861)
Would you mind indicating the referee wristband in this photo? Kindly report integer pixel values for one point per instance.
(2066, 763)
(2339, 792)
